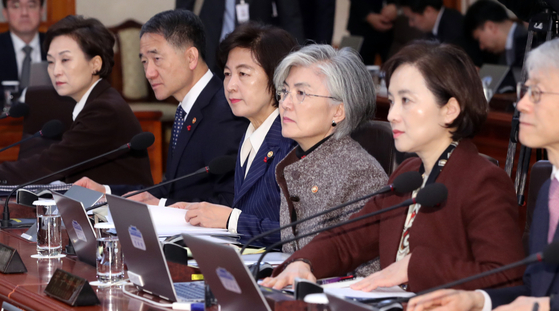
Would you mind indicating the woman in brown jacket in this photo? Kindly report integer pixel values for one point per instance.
(437, 105)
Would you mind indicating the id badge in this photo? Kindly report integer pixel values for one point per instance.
(242, 13)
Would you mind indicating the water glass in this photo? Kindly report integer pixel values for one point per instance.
(49, 235)
(110, 261)
(10, 89)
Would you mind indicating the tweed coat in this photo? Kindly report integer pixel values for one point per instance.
(337, 171)
(474, 230)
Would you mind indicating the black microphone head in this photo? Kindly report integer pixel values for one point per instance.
(432, 195)
(222, 165)
(142, 141)
(551, 253)
(52, 129)
(407, 182)
(19, 110)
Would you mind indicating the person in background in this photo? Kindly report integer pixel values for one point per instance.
(539, 111)
(436, 106)
(172, 50)
(248, 64)
(374, 22)
(21, 45)
(324, 95)
(221, 17)
(80, 58)
(318, 20)
(488, 23)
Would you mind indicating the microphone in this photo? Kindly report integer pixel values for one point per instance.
(16, 111)
(218, 166)
(430, 196)
(550, 255)
(51, 129)
(403, 183)
(139, 142)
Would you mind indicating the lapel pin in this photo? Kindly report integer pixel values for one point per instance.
(265, 159)
(193, 120)
(189, 127)
(270, 154)
(314, 189)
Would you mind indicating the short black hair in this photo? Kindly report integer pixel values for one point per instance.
(419, 6)
(91, 35)
(5, 3)
(448, 73)
(268, 44)
(481, 12)
(181, 28)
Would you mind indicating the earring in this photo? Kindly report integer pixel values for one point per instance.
(334, 123)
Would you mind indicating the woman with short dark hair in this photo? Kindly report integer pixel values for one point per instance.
(436, 105)
(249, 56)
(80, 57)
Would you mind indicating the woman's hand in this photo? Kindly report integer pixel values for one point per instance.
(297, 269)
(205, 214)
(395, 274)
(448, 300)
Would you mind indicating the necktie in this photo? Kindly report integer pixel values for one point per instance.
(228, 19)
(553, 208)
(177, 126)
(26, 67)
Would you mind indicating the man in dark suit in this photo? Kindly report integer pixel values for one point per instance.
(285, 14)
(374, 22)
(24, 18)
(538, 129)
(440, 23)
(172, 49)
(488, 23)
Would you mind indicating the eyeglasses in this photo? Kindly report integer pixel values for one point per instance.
(533, 92)
(282, 94)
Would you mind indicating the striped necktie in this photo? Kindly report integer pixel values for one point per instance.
(177, 126)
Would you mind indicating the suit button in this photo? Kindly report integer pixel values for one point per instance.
(294, 198)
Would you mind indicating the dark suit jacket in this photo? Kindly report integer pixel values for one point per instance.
(258, 195)
(540, 279)
(210, 130)
(520, 37)
(289, 18)
(475, 230)
(8, 65)
(105, 123)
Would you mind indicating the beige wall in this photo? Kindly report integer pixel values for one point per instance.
(114, 12)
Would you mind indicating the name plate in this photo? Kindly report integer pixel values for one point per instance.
(71, 289)
(10, 261)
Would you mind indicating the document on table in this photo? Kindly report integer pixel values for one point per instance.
(342, 289)
(170, 221)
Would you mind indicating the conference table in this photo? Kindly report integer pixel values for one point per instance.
(26, 290)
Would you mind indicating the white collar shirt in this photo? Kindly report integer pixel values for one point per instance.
(192, 95)
(79, 106)
(20, 54)
(254, 139)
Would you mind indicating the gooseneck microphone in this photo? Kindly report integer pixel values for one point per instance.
(218, 166)
(403, 183)
(139, 142)
(51, 129)
(430, 196)
(550, 255)
(16, 111)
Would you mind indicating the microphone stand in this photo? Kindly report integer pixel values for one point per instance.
(6, 214)
(257, 264)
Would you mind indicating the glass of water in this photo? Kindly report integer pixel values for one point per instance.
(110, 261)
(49, 235)
(10, 89)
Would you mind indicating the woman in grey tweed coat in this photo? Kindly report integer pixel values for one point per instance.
(324, 95)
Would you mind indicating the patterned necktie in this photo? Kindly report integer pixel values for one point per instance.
(553, 208)
(177, 126)
(26, 67)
